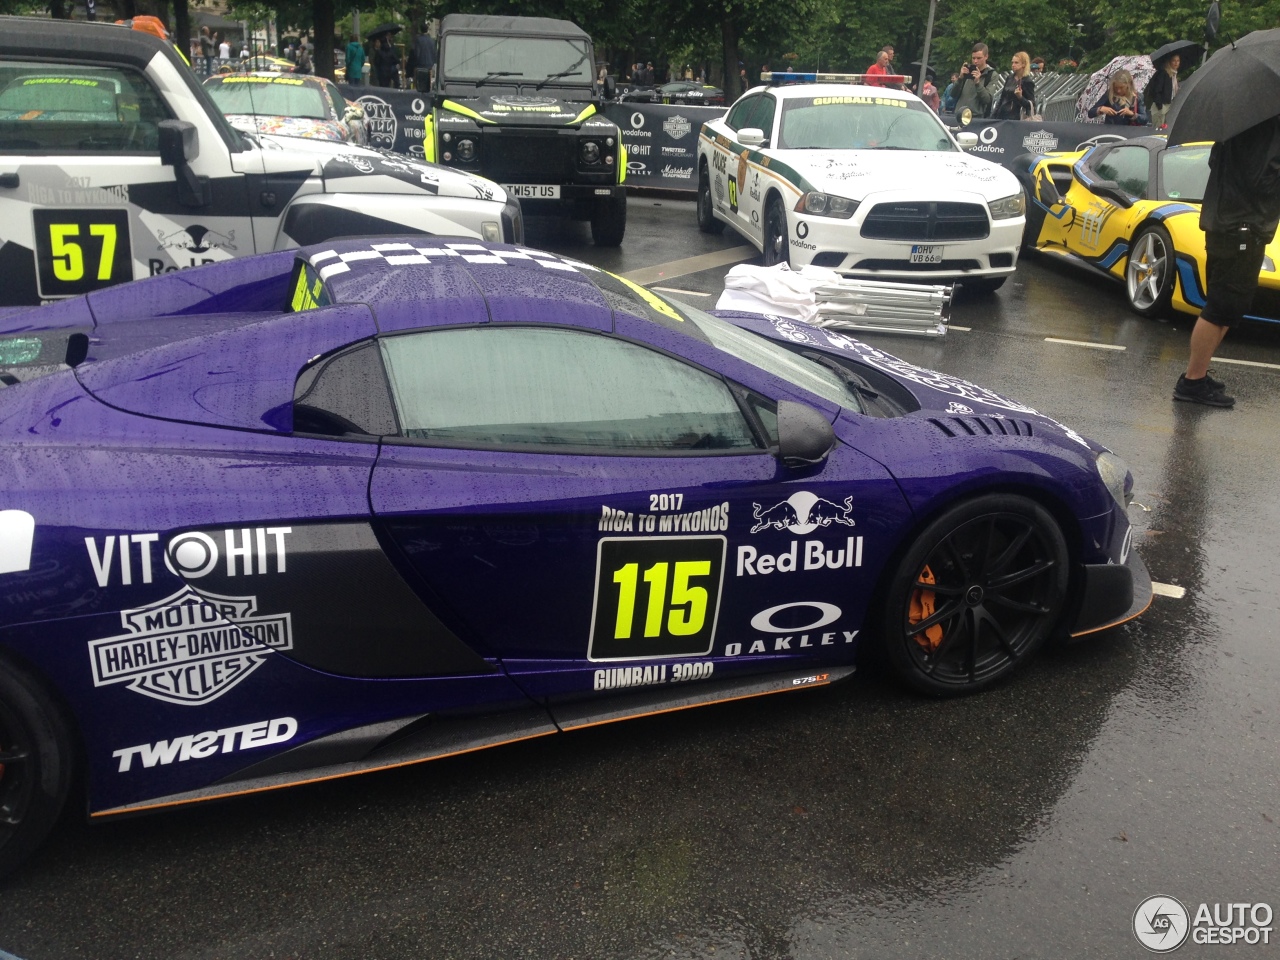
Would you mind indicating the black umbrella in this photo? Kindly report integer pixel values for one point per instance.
(931, 73)
(385, 28)
(1237, 89)
(1180, 47)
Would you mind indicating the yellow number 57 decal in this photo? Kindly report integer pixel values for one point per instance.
(81, 250)
(656, 597)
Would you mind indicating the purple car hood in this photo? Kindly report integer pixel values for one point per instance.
(939, 394)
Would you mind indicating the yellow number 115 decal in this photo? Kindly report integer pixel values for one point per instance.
(78, 251)
(656, 597)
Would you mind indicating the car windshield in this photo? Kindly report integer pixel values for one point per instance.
(65, 94)
(468, 57)
(269, 97)
(773, 358)
(854, 122)
(1184, 171)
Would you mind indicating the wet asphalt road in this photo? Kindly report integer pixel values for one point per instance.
(846, 822)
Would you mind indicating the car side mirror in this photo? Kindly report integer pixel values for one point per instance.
(1112, 191)
(1047, 190)
(610, 88)
(805, 436)
(179, 143)
(966, 140)
(750, 136)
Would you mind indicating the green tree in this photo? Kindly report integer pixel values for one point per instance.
(1133, 26)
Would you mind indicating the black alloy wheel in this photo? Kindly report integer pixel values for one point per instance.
(707, 221)
(776, 241)
(980, 590)
(35, 766)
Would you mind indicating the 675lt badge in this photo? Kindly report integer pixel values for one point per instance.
(656, 597)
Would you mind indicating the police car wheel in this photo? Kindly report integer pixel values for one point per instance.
(1149, 272)
(35, 765)
(609, 221)
(707, 222)
(776, 249)
(979, 591)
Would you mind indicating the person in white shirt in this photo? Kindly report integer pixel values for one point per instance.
(224, 50)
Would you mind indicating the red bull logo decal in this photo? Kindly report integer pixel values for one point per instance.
(801, 513)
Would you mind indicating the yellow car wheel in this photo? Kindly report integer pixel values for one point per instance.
(1149, 274)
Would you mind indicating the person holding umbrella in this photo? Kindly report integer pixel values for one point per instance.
(1163, 85)
(386, 59)
(1241, 206)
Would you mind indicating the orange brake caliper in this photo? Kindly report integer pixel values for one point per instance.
(922, 606)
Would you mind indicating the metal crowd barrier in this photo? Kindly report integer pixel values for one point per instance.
(879, 306)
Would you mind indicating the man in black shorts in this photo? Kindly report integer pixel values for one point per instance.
(1239, 217)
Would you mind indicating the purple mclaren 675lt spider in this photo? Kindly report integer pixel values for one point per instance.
(367, 503)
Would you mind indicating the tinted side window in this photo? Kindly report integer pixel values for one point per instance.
(48, 108)
(762, 116)
(737, 117)
(1128, 166)
(517, 387)
(345, 395)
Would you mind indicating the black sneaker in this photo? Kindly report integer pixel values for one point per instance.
(1205, 390)
(1213, 382)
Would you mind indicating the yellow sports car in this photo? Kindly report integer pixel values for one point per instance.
(1131, 208)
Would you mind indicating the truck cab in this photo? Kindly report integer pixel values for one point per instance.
(116, 165)
(516, 101)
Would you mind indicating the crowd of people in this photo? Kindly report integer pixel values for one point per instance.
(975, 88)
(377, 60)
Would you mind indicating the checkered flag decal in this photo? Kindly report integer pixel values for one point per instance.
(330, 263)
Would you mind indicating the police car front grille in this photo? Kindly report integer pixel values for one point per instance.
(926, 221)
(946, 266)
(521, 158)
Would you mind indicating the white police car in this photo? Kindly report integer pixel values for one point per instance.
(862, 179)
(115, 165)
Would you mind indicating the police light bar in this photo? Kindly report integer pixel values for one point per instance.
(776, 78)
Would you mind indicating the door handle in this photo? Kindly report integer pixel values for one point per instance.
(8, 181)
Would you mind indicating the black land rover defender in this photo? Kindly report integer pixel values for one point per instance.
(515, 100)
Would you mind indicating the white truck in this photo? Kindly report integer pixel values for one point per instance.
(116, 165)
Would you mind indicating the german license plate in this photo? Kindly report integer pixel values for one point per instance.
(533, 191)
(925, 253)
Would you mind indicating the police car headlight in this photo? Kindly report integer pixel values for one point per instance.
(1009, 207)
(826, 205)
(1117, 478)
(1268, 265)
(590, 151)
(466, 150)
(491, 231)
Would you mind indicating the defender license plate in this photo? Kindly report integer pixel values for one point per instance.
(533, 191)
(922, 253)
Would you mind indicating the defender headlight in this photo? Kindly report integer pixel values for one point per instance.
(491, 231)
(825, 205)
(1007, 208)
(466, 150)
(1268, 265)
(590, 151)
(1117, 478)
